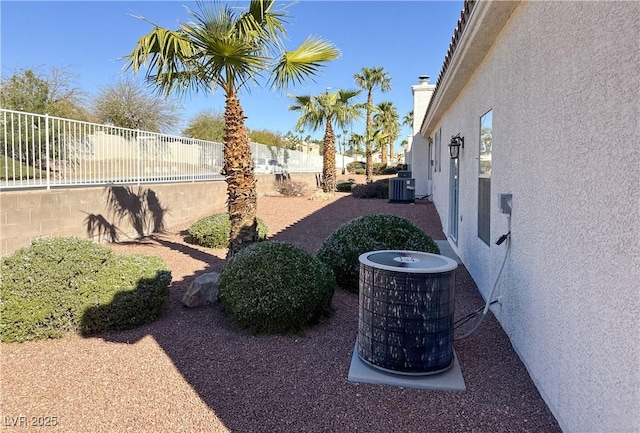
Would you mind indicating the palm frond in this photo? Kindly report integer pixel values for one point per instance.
(346, 95)
(167, 54)
(304, 62)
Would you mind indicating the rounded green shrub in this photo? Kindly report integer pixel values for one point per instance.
(377, 189)
(344, 185)
(62, 285)
(275, 287)
(213, 231)
(391, 169)
(354, 166)
(341, 250)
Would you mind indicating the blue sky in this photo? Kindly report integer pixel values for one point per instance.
(88, 38)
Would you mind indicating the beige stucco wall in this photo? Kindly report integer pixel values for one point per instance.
(89, 212)
(563, 81)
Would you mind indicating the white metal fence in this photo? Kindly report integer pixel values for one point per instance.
(41, 151)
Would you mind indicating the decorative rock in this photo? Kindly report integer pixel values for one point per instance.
(204, 289)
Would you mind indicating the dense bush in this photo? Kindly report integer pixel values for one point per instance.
(378, 169)
(64, 285)
(377, 189)
(275, 287)
(392, 170)
(344, 185)
(213, 231)
(340, 251)
(354, 166)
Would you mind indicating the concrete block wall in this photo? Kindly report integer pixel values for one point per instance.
(100, 213)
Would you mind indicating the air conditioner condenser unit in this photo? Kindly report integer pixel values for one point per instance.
(402, 190)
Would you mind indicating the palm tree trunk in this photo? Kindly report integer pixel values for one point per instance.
(367, 139)
(329, 160)
(391, 152)
(241, 180)
(384, 154)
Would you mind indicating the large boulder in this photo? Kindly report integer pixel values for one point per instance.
(204, 289)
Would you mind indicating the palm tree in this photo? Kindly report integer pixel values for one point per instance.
(327, 109)
(369, 79)
(408, 119)
(229, 48)
(356, 142)
(386, 118)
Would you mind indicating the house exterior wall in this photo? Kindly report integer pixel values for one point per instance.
(563, 80)
(420, 158)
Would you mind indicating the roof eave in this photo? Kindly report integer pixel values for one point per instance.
(477, 29)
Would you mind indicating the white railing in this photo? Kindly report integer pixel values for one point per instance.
(41, 151)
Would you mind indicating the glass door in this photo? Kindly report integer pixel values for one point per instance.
(454, 182)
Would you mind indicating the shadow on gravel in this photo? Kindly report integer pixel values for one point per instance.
(299, 383)
(310, 232)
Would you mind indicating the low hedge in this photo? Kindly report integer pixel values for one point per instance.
(345, 185)
(213, 231)
(62, 285)
(377, 189)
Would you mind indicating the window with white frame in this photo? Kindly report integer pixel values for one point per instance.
(484, 177)
(438, 149)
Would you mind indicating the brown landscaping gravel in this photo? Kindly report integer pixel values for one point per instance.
(193, 370)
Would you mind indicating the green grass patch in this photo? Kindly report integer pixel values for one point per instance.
(11, 169)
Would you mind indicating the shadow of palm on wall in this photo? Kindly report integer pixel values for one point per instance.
(140, 210)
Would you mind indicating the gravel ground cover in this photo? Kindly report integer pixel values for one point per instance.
(194, 370)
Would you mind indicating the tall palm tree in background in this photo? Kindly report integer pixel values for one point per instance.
(356, 141)
(386, 118)
(369, 79)
(408, 120)
(229, 48)
(328, 109)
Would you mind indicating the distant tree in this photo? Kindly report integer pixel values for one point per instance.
(327, 109)
(266, 137)
(52, 92)
(379, 140)
(408, 119)
(356, 141)
(130, 104)
(25, 91)
(66, 99)
(386, 119)
(292, 141)
(229, 48)
(210, 126)
(206, 125)
(369, 79)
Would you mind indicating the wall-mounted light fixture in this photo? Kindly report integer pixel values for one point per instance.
(454, 146)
